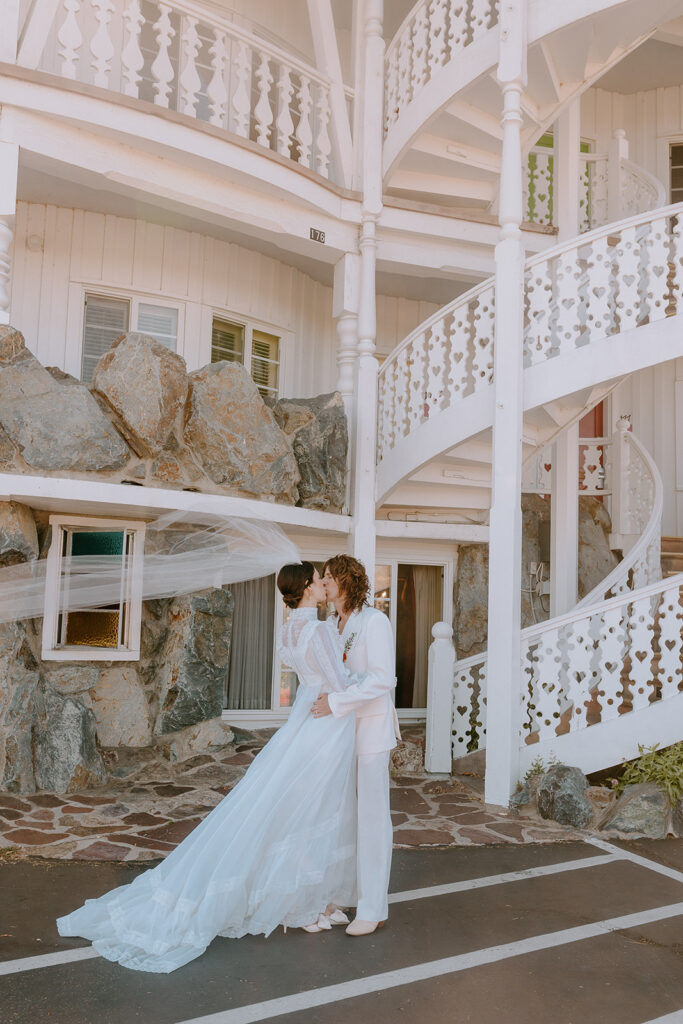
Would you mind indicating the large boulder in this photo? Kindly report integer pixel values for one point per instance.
(561, 796)
(18, 536)
(56, 425)
(596, 558)
(234, 436)
(66, 757)
(204, 738)
(21, 702)
(471, 600)
(194, 661)
(145, 385)
(319, 437)
(120, 706)
(643, 809)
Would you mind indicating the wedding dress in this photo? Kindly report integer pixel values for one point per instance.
(276, 850)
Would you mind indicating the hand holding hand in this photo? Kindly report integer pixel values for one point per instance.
(321, 707)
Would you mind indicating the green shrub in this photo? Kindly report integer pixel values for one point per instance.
(664, 767)
(539, 767)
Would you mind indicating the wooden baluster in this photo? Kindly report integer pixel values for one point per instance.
(323, 145)
(417, 392)
(538, 339)
(162, 69)
(580, 676)
(544, 703)
(479, 706)
(599, 307)
(132, 58)
(391, 90)
(612, 650)
(304, 131)
(457, 26)
(217, 90)
(420, 66)
(189, 80)
(404, 60)
(670, 669)
(437, 370)
(462, 710)
(401, 403)
(438, 34)
(388, 423)
(654, 290)
(641, 627)
(676, 266)
(70, 38)
(480, 16)
(460, 350)
(566, 302)
(627, 266)
(241, 99)
(284, 123)
(263, 112)
(482, 359)
(101, 46)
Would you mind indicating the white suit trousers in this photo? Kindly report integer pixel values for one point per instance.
(374, 836)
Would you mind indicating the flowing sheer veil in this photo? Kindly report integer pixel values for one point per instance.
(184, 552)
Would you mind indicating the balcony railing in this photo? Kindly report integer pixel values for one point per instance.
(182, 57)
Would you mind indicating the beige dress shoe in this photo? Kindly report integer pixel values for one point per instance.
(363, 927)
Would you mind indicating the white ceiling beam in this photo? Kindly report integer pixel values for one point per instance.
(459, 153)
(441, 185)
(551, 68)
(475, 117)
(327, 60)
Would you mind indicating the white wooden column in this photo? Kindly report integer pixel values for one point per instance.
(567, 171)
(564, 522)
(345, 302)
(9, 166)
(366, 388)
(505, 544)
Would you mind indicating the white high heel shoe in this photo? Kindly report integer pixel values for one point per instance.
(337, 917)
(321, 925)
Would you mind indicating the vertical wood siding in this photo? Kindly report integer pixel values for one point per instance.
(75, 249)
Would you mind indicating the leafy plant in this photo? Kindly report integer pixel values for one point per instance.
(664, 767)
(539, 767)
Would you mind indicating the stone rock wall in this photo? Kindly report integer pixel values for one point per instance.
(596, 561)
(57, 718)
(145, 420)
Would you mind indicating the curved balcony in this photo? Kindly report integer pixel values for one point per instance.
(184, 57)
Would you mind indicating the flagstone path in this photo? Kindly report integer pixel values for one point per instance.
(145, 810)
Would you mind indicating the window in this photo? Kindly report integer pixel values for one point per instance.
(411, 597)
(242, 343)
(676, 159)
(106, 318)
(110, 631)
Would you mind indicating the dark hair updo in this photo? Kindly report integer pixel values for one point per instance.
(292, 581)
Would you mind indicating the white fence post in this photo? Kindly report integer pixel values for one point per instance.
(438, 757)
(618, 152)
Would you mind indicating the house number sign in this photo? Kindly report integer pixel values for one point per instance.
(317, 236)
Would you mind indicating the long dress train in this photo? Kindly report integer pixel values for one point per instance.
(276, 850)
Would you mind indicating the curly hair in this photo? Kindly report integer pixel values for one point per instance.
(351, 578)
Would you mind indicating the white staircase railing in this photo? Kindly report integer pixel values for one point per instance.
(432, 36)
(611, 187)
(597, 286)
(193, 59)
(591, 666)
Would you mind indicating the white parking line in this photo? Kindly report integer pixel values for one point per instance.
(643, 862)
(671, 1018)
(33, 963)
(509, 876)
(435, 968)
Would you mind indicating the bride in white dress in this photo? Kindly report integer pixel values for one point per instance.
(278, 849)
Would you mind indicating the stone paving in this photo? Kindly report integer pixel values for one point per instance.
(146, 809)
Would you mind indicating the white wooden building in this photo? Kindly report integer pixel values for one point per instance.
(364, 196)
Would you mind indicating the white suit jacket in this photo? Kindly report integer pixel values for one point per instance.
(368, 641)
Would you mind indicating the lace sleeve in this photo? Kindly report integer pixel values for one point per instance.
(324, 658)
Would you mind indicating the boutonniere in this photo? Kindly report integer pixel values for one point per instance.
(348, 645)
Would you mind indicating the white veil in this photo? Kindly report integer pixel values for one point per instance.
(184, 552)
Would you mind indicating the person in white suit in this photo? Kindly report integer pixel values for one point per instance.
(367, 642)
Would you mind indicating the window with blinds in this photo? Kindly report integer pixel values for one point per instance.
(227, 341)
(159, 321)
(105, 319)
(265, 362)
(676, 157)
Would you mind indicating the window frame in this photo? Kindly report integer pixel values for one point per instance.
(78, 293)
(50, 651)
(249, 325)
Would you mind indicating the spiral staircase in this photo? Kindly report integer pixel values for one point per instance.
(608, 676)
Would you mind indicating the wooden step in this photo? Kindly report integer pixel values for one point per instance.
(672, 545)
